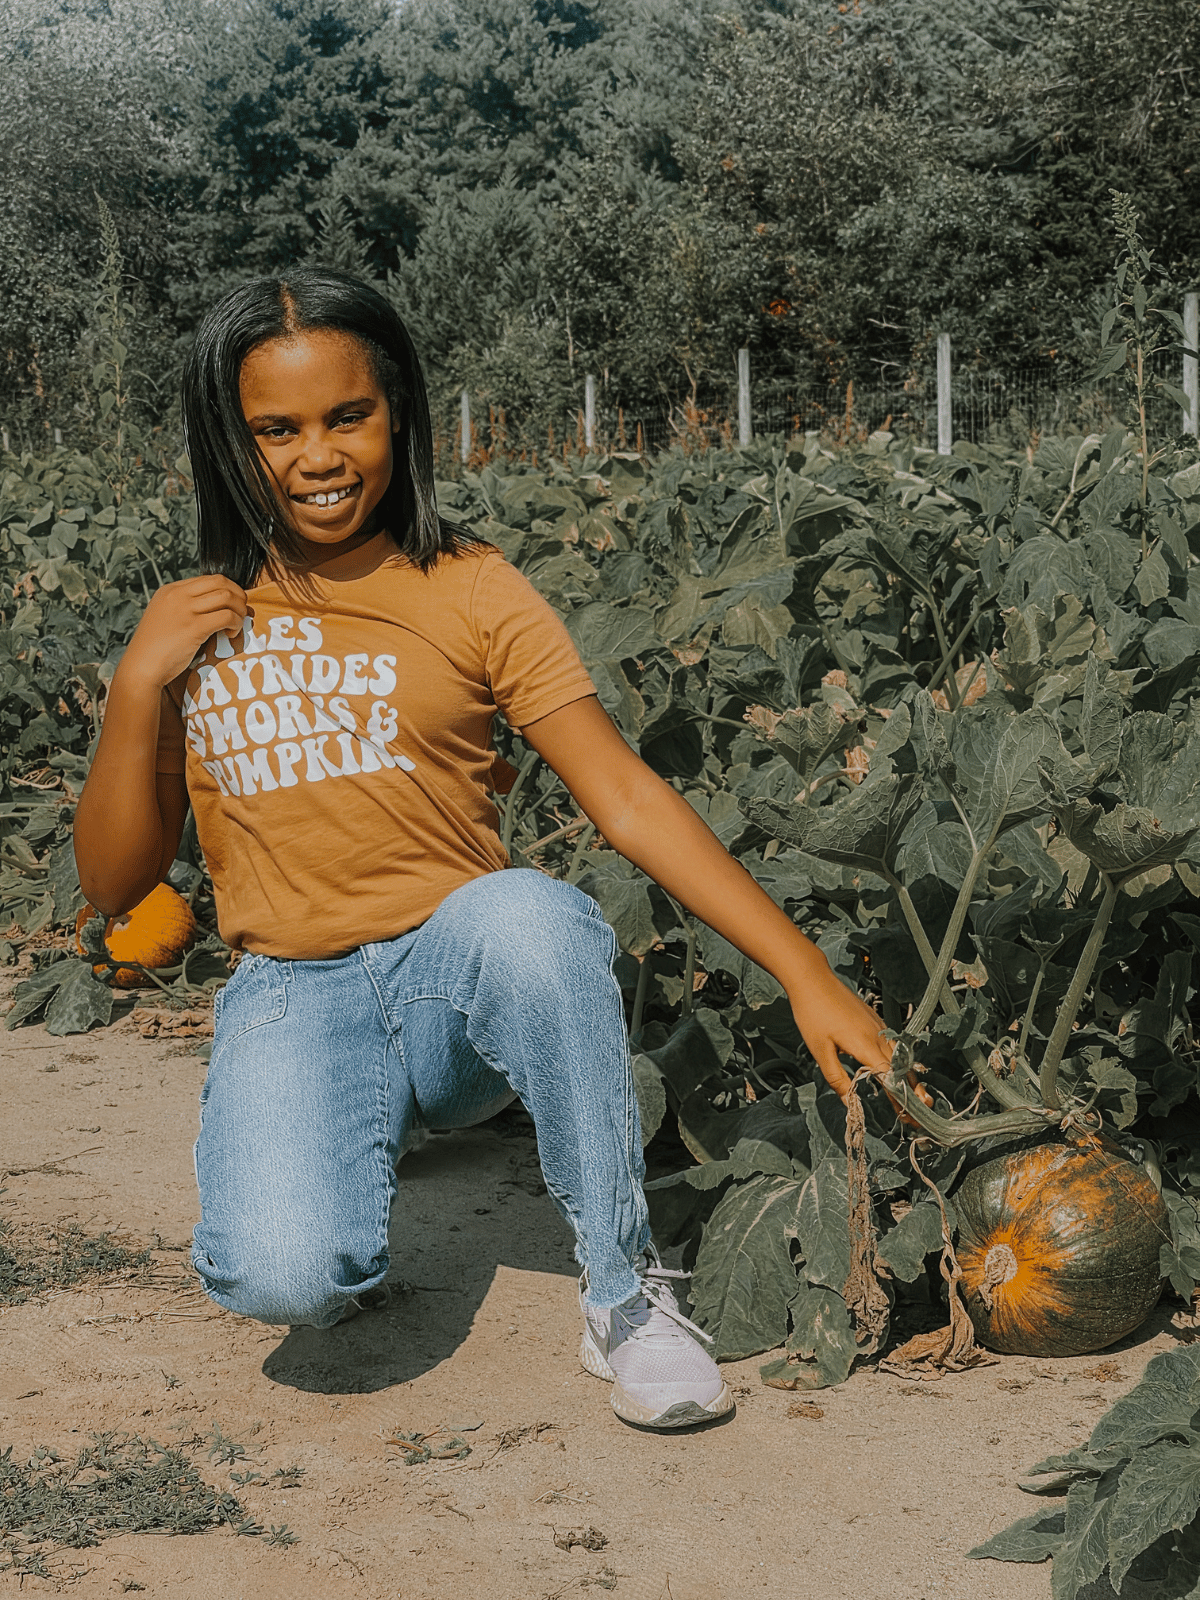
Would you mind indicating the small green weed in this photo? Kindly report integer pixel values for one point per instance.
(37, 1260)
(119, 1483)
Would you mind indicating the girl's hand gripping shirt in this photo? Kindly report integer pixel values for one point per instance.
(339, 756)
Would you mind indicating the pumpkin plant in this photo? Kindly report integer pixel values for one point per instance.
(1132, 1493)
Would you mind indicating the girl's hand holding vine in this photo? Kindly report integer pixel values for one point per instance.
(179, 620)
(647, 822)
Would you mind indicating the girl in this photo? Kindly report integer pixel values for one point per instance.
(323, 697)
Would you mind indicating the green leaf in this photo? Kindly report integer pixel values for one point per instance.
(823, 1224)
(80, 1001)
(1100, 724)
(805, 737)
(34, 992)
(690, 1055)
(1153, 581)
(1010, 788)
(1122, 841)
(823, 1337)
(1163, 1405)
(1083, 1554)
(1032, 1539)
(605, 632)
(758, 987)
(743, 1280)
(651, 1096)
(863, 830)
(1159, 1490)
(636, 909)
(63, 882)
(904, 1247)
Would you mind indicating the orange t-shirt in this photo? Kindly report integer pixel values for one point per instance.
(339, 755)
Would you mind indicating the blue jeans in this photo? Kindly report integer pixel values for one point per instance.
(320, 1068)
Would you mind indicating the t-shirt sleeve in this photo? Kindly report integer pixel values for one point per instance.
(172, 744)
(532, 664)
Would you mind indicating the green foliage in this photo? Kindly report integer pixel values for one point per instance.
(118, 1484)
(1132, 1492)
(552, 190)
(42, 1260)
(83, 542)
(944, 712)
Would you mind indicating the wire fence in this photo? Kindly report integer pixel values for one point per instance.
(1013, 407)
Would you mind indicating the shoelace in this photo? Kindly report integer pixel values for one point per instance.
(656, 1289)
(659, 1295)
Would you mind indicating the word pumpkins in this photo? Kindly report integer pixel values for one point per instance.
(154, 934)
(1059, 1248)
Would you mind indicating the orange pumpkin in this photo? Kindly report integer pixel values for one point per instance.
(1059, 1248)
(156, 933)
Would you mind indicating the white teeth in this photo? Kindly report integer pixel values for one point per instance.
(331, 499)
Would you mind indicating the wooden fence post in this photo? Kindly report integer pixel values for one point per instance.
(1191, 367)
(945, 415)
(58, 436)
(745, 430)
(4, 438)
(589, 411)
(465, 408)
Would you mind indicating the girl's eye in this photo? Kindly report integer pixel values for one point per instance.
(349, 417)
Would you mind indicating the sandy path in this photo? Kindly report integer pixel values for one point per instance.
(877, 1500)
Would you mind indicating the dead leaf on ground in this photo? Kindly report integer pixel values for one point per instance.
(935, 1352)
(1014, 1385)
(805, 1408)
(1106, 1372)
(586, 1538)
(157, 1022)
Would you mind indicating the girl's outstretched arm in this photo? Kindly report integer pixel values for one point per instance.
(129, 817)
(654, 827)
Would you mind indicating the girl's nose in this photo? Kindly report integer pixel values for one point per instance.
(319, 453)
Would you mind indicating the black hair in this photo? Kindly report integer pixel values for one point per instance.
(239, 511)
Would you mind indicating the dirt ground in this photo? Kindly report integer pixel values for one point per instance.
(876, 1499)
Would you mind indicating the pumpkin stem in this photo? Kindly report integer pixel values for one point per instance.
(999, 1266)
(923, 1015)
(1069, 1009)
(1003, 1092)
(949, 1132)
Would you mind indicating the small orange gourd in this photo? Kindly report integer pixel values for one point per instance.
(156, 933)
(1059, 1248)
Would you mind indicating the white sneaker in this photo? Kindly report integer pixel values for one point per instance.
(647, 1349)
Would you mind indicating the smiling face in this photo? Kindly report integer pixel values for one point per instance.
(324, 428)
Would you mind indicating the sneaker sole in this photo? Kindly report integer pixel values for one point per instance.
(685, 1414)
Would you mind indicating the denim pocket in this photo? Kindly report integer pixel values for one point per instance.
(256, 994)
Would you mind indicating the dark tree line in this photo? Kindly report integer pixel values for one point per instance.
(633, 188)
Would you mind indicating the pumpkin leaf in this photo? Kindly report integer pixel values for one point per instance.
(865, 829)
(75, 998)
(1031, 1539)
(903, 1248)
(1159, 1490)
(743, 1280)
(1084, 1552)
(1163, 1405)
(636, 909)
(822, 1224)
(63, 880)
(651, 1096)
(822, 1338)
(35, 992)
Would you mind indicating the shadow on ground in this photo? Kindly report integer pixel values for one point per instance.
(464, 1207)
